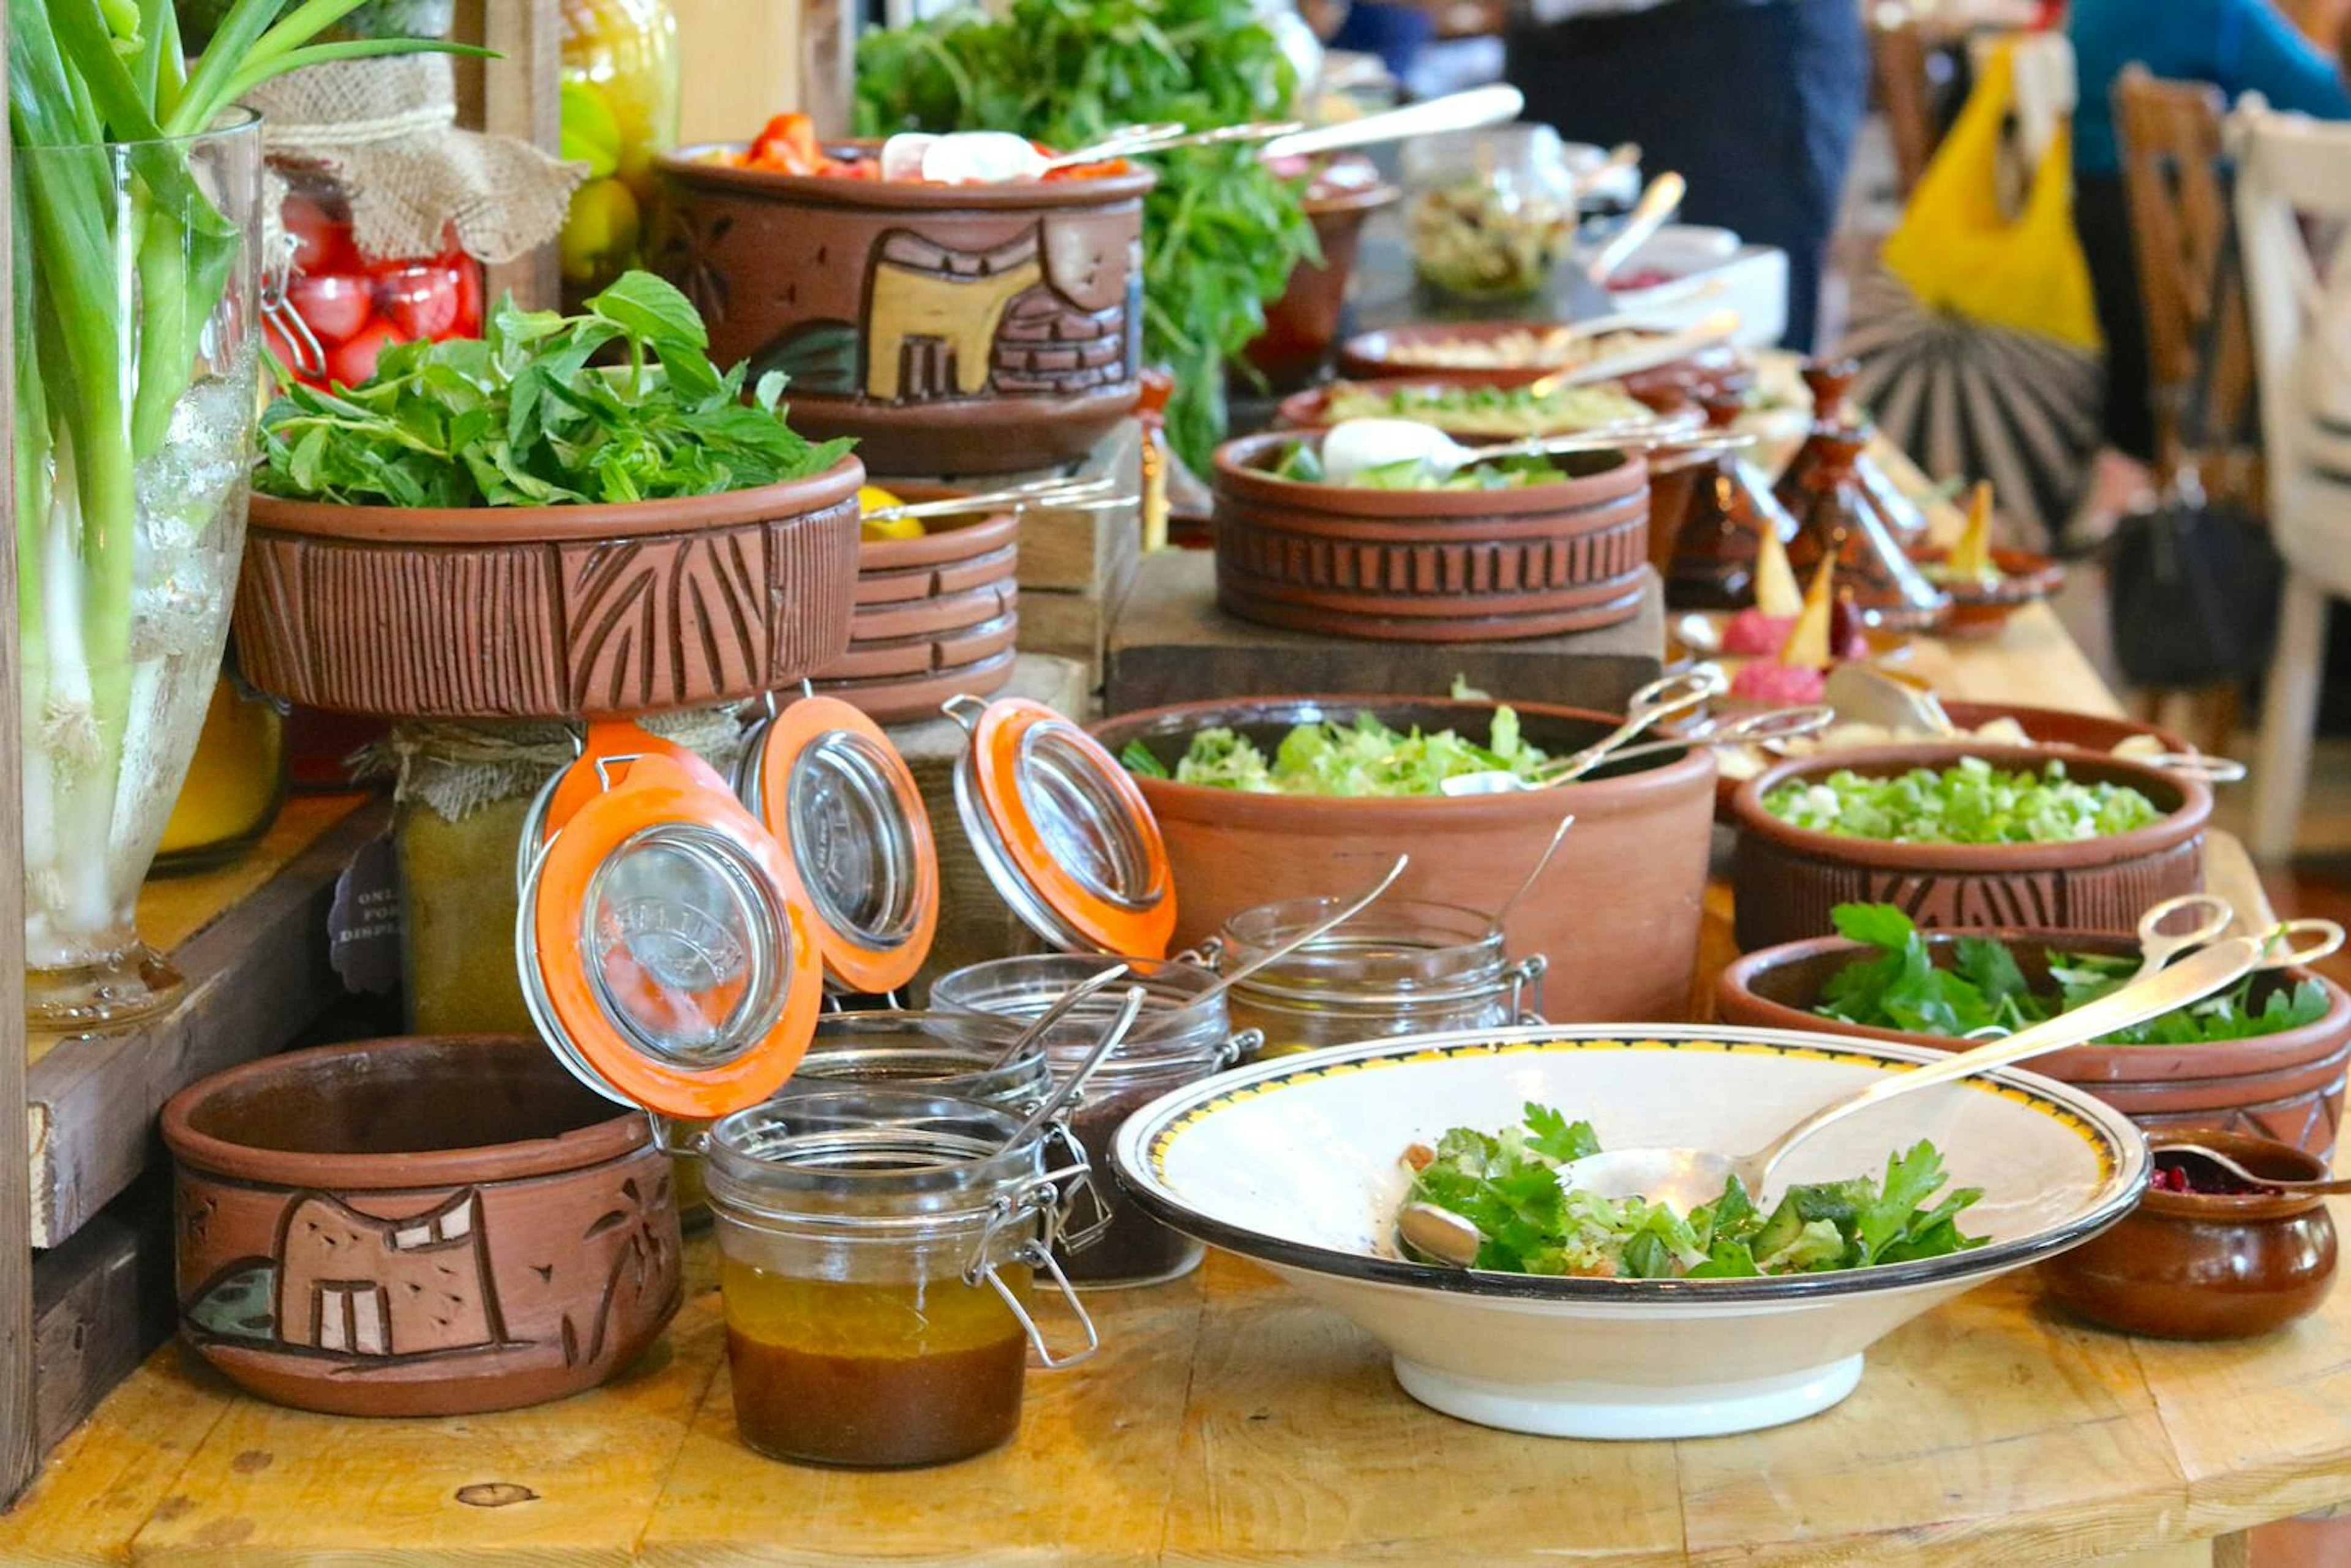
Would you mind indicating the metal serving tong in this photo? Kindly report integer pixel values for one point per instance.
(1653, 703)
(1096, 495)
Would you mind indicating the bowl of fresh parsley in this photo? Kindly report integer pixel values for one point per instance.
(2268, 1055)
(569, 516)
(1964, 834)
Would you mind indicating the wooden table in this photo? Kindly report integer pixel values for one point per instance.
(1230, 1421)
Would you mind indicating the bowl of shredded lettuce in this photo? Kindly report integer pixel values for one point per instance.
(1619, 1317)
(1964, 834)
(1263, 799)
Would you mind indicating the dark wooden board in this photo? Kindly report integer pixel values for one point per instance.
(100, 1303)
(1170, 643)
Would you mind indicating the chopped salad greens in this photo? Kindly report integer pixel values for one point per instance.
(1303, 464)
(1902, 989)
(1508, 1184)
(1970, 802)
(1365, 758)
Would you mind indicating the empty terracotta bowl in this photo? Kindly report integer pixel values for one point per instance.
(1430, 566)
(419, 1227)
(548, 612)
(1617, 914)
(951, 329)
(1301, 326)
(1785, 880)
(938, 611)
(2286, 1086)
(2187, 1265)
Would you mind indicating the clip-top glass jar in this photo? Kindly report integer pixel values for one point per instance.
(956, 1053)
(880, 1249)
(1402, 966)
(1176, 1040)
(1492, 211)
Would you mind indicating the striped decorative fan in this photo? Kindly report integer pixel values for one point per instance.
(1976, 402)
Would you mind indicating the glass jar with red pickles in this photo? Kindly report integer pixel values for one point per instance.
(351, 308)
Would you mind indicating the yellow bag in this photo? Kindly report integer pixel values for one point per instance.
(1959, 253)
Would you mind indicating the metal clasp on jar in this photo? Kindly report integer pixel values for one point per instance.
(1082, 1194)
(1526, 979)
(1037, 1204)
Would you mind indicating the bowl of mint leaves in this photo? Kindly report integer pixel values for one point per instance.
(569, 516)
(2267, 1057)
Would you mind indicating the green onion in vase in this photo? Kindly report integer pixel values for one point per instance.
(134, 271)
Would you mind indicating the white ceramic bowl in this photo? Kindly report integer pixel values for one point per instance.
(1294, 1162)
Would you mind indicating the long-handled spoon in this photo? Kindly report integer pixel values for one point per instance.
(1686, 1177)
(1586, 291)
(1542, 863)
(1323, 927)
(1056, 1012)
(1659, 700)
(2268, 1183)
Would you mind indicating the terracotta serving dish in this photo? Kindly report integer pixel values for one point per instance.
(419, 1227)
(548, 612)
(2209, 1265)
(940, 609)
(2287, 1086)
(1980, 610)
(1617, 914)
(1301, 326)
(1396, 352)
(1429, 566)
(1311, 409)
(1785, 880)
(951, 329)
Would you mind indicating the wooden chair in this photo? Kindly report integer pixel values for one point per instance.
(2291, 187)
(2170, 137)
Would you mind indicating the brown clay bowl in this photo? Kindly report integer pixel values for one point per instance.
(420, 1226)
(1302, 325)
(1311, 409)
(1430, 566)
(1617, 913)
(2287, 1086)
(2209, 1265)
(951, 329)
(1980, 610)
(903, 699)
(908, 620)
(548, 612)
(1785, 880)
(1397, 351)
(889, 657)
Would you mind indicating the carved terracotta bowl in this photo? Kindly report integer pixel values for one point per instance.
(1430, 566)
(2287, 1086)
(935, 615)
(428, 1226)
(548, 612)
(1785, 880)
(951, 329)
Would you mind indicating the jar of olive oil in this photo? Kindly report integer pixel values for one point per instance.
(881, 1251)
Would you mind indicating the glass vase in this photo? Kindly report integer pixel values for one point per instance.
(135, 267)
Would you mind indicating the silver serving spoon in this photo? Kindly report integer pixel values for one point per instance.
(1056, 1012)
(1501, 917)
(1661, 699)
(1471, 110)
(1686, 1177)
(1321, 929)
(1586, 292)
(2275, 1184)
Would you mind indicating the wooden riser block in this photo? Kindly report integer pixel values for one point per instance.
(1171, 643)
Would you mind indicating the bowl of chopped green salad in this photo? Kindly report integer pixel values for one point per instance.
(1488, 413)
(1525, 547)
(2269, 1056)
(1616, 1318)
(1964, 834)
(1261, 799)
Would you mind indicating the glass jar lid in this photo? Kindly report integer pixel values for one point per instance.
(661, 956)
(607, 752)
(1061, 831)
(834, 791)
(957, 1053)
(1177, 1026)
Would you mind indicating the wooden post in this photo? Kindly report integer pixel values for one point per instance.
(520, 95)
(19, 1453)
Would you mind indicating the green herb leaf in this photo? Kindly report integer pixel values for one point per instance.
(1555, 1137)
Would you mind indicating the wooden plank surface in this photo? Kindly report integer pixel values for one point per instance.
(101, 1302)
(252, 940)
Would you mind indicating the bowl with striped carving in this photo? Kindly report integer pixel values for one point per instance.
(1429, 566)
(1785, 879)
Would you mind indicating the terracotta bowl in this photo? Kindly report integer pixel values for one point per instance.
(1785, 880)
(548, 612)
(2205, 1265)
(951, 329)
(419, 1227)
(1980, 609)
(1617, 913)
(929, 611)
(1301, 326)
(1430, 566)
(1397, 351)
(2287, 1086)
(1311, 409)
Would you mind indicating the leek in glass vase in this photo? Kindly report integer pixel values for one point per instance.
(134, 272)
